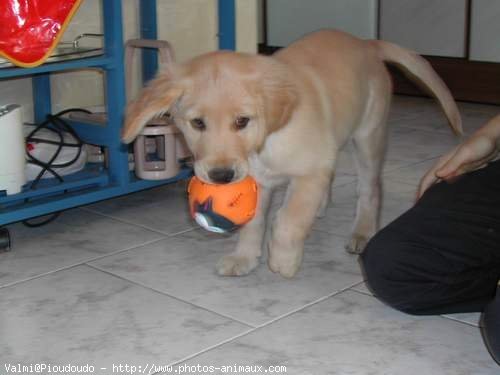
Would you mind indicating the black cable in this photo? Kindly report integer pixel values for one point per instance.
(56, 124)
(30, 224)
(59, 126)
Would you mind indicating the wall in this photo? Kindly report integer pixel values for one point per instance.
(247, 25)
(190, 25)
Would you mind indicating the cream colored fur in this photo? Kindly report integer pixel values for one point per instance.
(304, 103)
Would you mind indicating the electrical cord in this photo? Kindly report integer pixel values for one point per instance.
(56, 124)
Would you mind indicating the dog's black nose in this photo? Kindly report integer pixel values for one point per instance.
(221, 175)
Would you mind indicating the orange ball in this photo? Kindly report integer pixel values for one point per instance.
(225, 207)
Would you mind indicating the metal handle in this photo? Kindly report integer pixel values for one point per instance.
(164, 48)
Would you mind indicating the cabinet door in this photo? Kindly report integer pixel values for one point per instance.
(288, 20)
(429, 27)
(485, 31)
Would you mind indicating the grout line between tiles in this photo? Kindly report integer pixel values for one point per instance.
(263, 325)
(459, 321)
(170, 295)
(123, 221)
(342, 236)
(312, 303)
(136, 224)
(183, 232)
(81, 263)
(447, 317)
(409, 165)
(363, 293)
(355, 181)
(252, 328)
(387, 174)
(215, 346)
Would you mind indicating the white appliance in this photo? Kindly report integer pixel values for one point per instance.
(12, 149)
(46, 147)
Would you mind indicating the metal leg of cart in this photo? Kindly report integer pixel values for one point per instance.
(5, 244)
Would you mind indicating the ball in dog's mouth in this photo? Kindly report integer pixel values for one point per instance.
(222, 208)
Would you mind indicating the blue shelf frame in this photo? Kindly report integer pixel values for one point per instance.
(227, 24)
(96, 183)
(148, 30)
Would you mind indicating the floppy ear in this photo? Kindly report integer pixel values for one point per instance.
(154, 100)
(280, 100)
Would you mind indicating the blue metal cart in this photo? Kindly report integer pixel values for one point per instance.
(96, 182)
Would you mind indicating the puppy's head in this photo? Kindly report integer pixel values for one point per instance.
(225, 104)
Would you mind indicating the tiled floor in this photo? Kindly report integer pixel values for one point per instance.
(131, 281)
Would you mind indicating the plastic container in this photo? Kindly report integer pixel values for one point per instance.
(12, 149)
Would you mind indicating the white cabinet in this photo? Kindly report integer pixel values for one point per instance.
(485, 30)
(448, 28)
(288, 20)
(429, 27)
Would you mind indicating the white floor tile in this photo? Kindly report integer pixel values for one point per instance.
(468, 318)
(353, 333)
(84, 316)
(184, 266)
(76, 236)
(163, 209)
(397, 198)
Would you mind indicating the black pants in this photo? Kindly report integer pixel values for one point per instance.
(443, 255)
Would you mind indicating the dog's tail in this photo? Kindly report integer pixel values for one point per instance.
(418, 69)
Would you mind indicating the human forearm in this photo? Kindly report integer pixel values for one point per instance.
(491, 130)
(475, 152)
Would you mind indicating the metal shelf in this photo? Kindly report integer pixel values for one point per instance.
(80, 191)
(102, 62)
(95, 182)
(91, 175)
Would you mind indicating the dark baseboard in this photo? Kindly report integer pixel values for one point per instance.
(471, 81)
(264, 49)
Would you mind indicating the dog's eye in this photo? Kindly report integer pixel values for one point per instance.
(198, 124)
(241, 122)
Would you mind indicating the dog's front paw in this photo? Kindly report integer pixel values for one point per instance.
(236, 265)
(356, 244)
(285, 260)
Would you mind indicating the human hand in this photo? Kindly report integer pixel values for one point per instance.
(474, 153)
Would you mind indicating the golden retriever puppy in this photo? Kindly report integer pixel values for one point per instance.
(283, 119)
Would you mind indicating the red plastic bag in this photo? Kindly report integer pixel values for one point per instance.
(30, 29)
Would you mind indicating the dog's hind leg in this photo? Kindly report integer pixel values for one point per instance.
(369, 142)
(325, 201)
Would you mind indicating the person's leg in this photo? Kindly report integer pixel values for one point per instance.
(491, 326)
(443, 255)
(412, 274)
